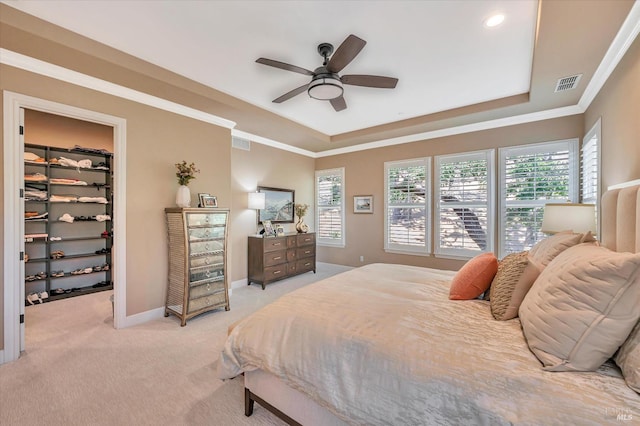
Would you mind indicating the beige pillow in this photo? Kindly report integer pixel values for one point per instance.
(628, 359)
(516, 274)
(582, 307)
(546, 250)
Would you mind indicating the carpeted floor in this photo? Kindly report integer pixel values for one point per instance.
(78, 370)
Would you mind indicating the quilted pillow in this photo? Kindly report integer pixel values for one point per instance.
(545, 250)
(474, 277)
(516, 274)
(628, 359)
(582, 307)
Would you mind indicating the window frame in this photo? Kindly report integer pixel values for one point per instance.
(423, 250)
(489, 156)
(570, 145)
(331, 242)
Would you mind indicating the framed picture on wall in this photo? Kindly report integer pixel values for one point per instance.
(278, 205)
(363, 204)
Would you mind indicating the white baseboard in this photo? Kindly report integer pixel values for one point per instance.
(143, 317)
(238, 284)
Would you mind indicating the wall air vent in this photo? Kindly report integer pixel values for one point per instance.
(567, 83)
(240, 143)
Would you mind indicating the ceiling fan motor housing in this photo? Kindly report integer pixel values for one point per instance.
(325, 85)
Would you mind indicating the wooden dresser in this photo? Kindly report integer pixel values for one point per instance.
(197, 261)
(275, 258)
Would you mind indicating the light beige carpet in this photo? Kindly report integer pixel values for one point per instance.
(78, 370)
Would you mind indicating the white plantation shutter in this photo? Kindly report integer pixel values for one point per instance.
(330, 207)
(530, 177)
(407, 201)
(464, 197)
(589, 166)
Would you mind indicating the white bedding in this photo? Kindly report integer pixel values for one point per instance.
(382, 344)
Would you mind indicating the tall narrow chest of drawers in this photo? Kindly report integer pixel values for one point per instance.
(197, 280)
(275, 258)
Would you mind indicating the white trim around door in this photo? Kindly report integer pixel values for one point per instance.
(12, 150)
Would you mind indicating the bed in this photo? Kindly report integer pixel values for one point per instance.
(384, 344)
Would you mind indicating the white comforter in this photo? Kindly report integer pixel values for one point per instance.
(382, 344)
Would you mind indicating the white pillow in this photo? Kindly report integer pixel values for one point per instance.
(544, 251)
(582, 307)
(628, 359)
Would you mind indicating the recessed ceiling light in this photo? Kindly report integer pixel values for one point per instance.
(494, 21)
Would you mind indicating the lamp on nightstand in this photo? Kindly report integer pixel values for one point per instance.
(569, 217)
(256, 201)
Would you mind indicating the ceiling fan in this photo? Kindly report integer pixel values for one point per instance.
(325, 83)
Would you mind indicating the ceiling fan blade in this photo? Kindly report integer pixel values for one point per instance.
(283, 66)
(338, 103)
(370, 81)
(345, 53)
(291, 94)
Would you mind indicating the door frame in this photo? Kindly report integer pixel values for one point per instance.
(13, 151)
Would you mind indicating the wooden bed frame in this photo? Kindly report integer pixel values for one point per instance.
(620, 231)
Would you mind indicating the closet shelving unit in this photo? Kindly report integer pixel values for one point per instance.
(85, 243)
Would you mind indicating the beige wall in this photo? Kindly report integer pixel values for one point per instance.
(264, 166)
(364, 174)
(41, 128)
(618, 103)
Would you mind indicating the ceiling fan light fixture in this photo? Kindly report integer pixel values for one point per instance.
(325, 88)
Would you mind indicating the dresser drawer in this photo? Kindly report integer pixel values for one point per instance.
(275, 258)
(196, 234)
(305, 265)
(305, 239)
(275, 272)
(291, 256)
(206, 247)
(309, 251)
(206, 289)
(206, 301)
(205, 273)
(206, 260)
(273, 244)
(205, 219)
(291, 241)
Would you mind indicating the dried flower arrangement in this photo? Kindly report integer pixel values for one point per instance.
(186, 172)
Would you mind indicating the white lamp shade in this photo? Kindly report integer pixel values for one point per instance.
(256, 200)
(569, 217)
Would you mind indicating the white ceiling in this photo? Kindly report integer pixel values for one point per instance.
(442, 54)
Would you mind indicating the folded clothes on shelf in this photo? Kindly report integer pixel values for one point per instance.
(33, 236)
(95, 150)
(32, 216)
(55, 238)
(30, 157)
(63, 198)
(102, 217)
(35, 177)
(101, 200)
(32, 194)
(86, 163)
(62, 181)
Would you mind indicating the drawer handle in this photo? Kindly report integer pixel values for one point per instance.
(207, 274)
(208, 287)
(276, 244)
(207, 260)
(207, 301)
(207, 232)
(277, 272)
(277, 258)
(206, 219)
(307, 252)
(307, 264)
(206, 246)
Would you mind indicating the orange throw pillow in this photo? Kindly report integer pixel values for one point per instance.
(474, 278)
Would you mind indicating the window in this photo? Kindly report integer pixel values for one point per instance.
(407, 200)
(330, 211)
(531, 176)
(589, 167)
(464, 200)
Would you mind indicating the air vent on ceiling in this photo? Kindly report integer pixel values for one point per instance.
(240, 143)
(568, 83)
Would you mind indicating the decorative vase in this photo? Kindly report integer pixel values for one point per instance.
(183, 196)
(302, 227)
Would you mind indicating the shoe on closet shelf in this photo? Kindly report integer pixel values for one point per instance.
(43, 295)
(32, 298)
(58, 291)
(57, 274)
(77, 272)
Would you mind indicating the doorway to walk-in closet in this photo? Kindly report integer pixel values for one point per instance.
(68, 220)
